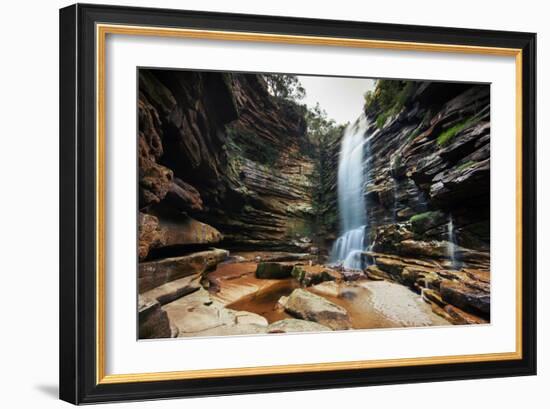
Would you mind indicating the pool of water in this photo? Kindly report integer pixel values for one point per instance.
(264, 302)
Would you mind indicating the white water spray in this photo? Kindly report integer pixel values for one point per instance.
(451, 242)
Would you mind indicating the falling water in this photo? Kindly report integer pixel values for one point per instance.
(451, 242)
(394, 200)
(351, 202)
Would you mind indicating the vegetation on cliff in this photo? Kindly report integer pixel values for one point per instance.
(325, 135)
(388, 98)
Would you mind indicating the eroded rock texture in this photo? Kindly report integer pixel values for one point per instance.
(218, 148)
(428, 197)
(433, 156)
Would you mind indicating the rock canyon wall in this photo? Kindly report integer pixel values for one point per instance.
(218, 148)
(427, 193)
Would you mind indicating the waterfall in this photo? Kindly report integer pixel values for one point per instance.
(348, 248)
(451, 242)
(394, 188)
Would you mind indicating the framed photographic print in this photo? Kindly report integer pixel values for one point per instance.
(257, 203)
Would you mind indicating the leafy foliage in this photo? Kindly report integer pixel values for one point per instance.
(388, 98)
(285, 86)
(319, 126)
(325, 136)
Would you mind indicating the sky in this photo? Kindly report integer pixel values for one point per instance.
(341, 98)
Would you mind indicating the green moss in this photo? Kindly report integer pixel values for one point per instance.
(466, 165)
(446, 136)
(422, 222)
(403, 95)
(382, 118)
(422, 216)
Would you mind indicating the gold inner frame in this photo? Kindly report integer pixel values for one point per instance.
(101, 33)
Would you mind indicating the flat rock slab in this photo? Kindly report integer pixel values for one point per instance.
(197, 314)
(174, 289)
(295, 325)
(156, 273)
(399, 305)
(312, 307)
(258, 256)
(231, 282)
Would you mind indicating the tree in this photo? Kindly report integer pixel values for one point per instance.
(319, 126)
(285, 86)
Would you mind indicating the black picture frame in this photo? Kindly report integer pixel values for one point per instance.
(78, 236)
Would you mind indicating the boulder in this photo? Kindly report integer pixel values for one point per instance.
(281, 302)
(155, 273)
(153, 320)
(185, 231)
(158, 231)
(305, 305)
(273, 270)
(311, 275)
(327, 288)
(295, 325)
